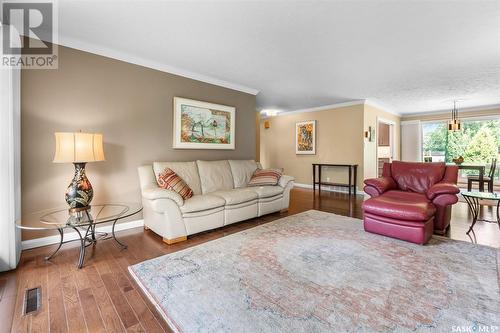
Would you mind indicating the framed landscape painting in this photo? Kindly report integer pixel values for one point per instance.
(202, 125)
(305, 137)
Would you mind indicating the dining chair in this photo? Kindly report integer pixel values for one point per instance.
(486, 179)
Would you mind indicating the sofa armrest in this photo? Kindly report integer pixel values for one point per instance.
(382, 184)
(154, 193)
(284, 180)
(442, 188)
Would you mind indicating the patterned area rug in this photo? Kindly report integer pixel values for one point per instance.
(320, 272)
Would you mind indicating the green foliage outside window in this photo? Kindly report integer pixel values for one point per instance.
(482, 147)
(479, 141)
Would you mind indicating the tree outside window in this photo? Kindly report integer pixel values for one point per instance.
(478, 142)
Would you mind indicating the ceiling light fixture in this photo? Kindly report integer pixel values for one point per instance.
(454, 122)
(271, 112)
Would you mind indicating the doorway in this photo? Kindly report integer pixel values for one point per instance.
(385, 143)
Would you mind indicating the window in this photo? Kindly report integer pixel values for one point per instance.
(478, 142)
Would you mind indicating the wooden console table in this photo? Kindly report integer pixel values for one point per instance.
(352, 170)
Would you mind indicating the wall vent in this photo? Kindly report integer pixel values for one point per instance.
(32, 300)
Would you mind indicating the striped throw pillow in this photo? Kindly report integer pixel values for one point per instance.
(169, 180)
(263, 177)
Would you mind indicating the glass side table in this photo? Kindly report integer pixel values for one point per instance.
(473, 200)
(83, 223)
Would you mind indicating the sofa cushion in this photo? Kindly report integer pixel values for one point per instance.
(263, 177)
(202, 202)
(417, 177)
(188, 171)
(215, 176)
(236, 196)
(242, 171)
(267, 191)
(401, 205)
(169, 180)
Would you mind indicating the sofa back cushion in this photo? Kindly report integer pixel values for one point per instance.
(215, 176)
(188, 171)
(242, 171)
(147, 176)
(417, 177)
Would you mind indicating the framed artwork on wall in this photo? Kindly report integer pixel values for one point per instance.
(305, 137)
(202, 125)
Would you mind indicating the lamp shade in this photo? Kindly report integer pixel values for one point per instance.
(78, 148)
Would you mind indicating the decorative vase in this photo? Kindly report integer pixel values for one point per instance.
(459, 160)
(79, 193)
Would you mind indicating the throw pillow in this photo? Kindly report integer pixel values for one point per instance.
(169, 180)
(263, 177)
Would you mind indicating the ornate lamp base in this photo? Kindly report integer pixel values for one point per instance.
(78, 210)
(79, 193)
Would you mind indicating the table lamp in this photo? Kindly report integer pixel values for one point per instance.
(79, 149)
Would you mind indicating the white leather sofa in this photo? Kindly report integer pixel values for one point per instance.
(221, 197)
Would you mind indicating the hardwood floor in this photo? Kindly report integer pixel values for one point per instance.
(102, 297)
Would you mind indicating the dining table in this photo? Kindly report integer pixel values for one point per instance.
(473, 166)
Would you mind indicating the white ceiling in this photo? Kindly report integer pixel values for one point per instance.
(411, 56)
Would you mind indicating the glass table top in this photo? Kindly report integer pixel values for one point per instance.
(482, 195)
(61, 218)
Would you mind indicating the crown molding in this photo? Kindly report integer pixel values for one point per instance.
(447, 111)
(410, 122)
(337, 106)
(127, 57)
(327, 107)
(382, 107)
(318, 108)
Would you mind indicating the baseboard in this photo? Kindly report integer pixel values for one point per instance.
(49, 240)
(328, 188)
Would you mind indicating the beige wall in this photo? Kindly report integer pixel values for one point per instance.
(339, 139)
(371, 116)
(131, 105)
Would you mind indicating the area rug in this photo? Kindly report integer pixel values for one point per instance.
(320, 272)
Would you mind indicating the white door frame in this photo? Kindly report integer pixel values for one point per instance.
(10, 167)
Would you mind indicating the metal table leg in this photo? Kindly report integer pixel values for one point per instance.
(355, 178)
(319, 179)
(82, 247)
(61, 232)
(350, 181)
(123, 246)
(474, 208)
(498, 214)
(92, 229)
(314, 178)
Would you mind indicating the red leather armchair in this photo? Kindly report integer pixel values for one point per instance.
(411, 200)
